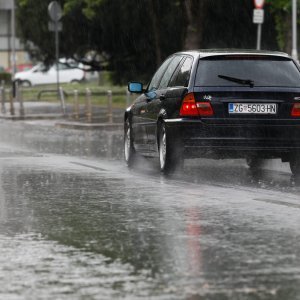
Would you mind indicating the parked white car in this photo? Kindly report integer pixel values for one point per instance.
(39, 74)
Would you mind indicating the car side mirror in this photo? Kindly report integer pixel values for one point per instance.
(135, 87)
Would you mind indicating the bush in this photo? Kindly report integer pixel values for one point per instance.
(6, 77)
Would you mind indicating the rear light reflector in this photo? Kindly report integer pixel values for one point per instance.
(191, 108)
(296, 110)
(205, 109)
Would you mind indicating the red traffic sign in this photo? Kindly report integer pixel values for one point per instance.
(259, 4)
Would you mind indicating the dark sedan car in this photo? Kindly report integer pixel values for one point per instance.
(217, 104)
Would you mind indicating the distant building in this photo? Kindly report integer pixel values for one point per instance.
(6, 37)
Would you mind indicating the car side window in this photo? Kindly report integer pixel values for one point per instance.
(183, 76)
(169, 72)
(63, 67)
(41, 68)
(159, 73)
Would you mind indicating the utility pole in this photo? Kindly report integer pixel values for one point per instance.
(55, 14)
(294, 30)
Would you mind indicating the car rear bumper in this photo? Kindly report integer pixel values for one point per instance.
(235, 138)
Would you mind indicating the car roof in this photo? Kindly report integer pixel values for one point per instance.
(217, 52)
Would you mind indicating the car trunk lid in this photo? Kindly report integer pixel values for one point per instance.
(251, 87)
(266, 104)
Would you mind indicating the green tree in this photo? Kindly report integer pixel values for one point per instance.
(131, 38)
(33, 27)
(128, 37)
(281, 11)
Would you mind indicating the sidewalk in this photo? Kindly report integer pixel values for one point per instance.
(40, 112)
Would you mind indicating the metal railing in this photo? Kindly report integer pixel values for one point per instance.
(71, 106)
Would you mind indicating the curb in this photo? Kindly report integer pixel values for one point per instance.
(90, 126)
(61, 123)
(33, 117)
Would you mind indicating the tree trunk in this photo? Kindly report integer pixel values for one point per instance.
(195, 15)
(156, 30)
(288, 34)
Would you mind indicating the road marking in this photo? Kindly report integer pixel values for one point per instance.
(278, 202)
(88, 166)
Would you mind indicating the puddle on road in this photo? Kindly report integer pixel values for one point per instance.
(90, 235)
(34, 268)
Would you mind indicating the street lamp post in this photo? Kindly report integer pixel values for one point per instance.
(294, 30)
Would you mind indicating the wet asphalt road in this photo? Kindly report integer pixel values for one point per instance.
(76, 224)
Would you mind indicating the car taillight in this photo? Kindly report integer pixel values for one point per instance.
(205, 109)
(189, 107)
(296, 110)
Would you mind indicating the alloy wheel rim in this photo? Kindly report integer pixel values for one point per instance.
(25, 84)
(127, 144)
(163, 149)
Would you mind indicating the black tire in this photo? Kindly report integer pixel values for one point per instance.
(75, 81)
(129, 151)
(254, 163)
(170, 156)
(295, 165)
(26, 83)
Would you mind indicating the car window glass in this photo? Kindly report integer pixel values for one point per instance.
(262, 71)
(183, 75)
(66, 66)
(62, 67)
(169, 72)
(157, 76)
(41, 68)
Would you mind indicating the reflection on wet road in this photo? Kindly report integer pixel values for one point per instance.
(87, 228)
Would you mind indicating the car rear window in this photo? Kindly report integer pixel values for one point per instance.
(262, 71)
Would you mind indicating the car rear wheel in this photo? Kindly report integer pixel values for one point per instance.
(26, 83)
(129, 151)
(295, 165)
(169, 154)
(254, 163)
(75, 81)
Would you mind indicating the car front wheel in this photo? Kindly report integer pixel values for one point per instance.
(129, 151)
(169, 154)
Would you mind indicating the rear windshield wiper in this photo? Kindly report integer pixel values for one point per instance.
(238, 80)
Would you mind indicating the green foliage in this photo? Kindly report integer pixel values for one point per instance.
(281, 10)
(130, 38)
(6, 77)
(284, 5)
(89, 6)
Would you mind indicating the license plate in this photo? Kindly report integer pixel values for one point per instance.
(252, 108)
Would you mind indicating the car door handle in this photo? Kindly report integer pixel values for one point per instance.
(162, 97)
